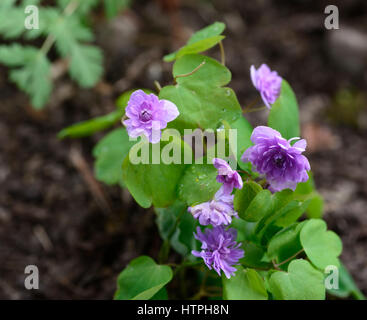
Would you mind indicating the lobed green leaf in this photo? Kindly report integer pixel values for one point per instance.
(142, 279)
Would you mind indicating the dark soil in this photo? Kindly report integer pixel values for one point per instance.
(80, 233)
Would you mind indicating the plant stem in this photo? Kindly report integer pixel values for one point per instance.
(190, 73)
(165, 248)
(248, 110)
(158, 86)
(222, 53)
(276, 265)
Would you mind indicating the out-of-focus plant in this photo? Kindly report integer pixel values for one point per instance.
(257, 223)
(349, 107)
(63, 26)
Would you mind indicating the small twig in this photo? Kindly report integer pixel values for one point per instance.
(190, 73)
(222, 53)
(43, 238)
(80, 163)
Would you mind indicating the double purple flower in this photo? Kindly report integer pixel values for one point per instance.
(148, 115)
(267, 82)
(228, 177)
(219, 249)
(215, 212)
(283, 164)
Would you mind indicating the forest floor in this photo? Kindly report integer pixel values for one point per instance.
(80, 233)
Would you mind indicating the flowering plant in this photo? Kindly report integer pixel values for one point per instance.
(239, 206)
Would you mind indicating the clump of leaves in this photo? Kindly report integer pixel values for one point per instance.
(287, 245)
(63, 26)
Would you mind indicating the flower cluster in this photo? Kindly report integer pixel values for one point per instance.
(282, 163)
(147, 115)
(220, 250)
(267, 82)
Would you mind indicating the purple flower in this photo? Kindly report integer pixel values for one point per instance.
(230, 178)
(219, 249)
(215, 212)
(282, 163)
(148, 115)
(267, 82)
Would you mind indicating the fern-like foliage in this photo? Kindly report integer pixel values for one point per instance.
(62, 26)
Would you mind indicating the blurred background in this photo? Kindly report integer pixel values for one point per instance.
(80, 233)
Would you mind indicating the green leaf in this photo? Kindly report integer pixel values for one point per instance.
(284, 211)
(110, 152)
(290, 213)
(245, 285)
(321, 246)
(244, 196)
(86, 65)
(285, 243)
(198, 184)
(258, 207)
(113, 7)
(69, 32)
(244, 131)
(84, 7)
(85, 60)
(153, 183)
(284, 115)
(347, 286)
(244, 229)
(301, 282)
(16, 55)
(187, 227)
(315, 207)
(306, 191)
(88, 127)
(167, 220)
(253, 256)
(11, 20)
(142, 279)
(196, 47)
(200, 41)
(200, 97)
(160, 295)
(212, 30)
(47, 18)
(33, 77)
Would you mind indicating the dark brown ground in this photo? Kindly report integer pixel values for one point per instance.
(81, 235)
